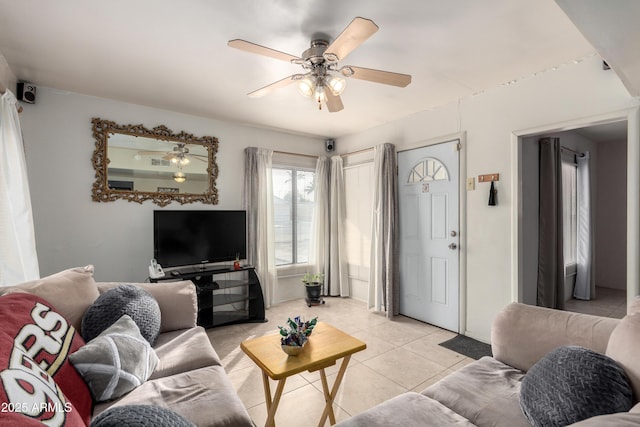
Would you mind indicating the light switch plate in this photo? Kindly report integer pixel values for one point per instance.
(471, 184)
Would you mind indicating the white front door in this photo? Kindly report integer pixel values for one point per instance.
(428, 189)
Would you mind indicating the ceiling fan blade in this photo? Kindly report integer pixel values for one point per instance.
(377, 76)
(280, 83)
(260, 50)
(359, 30)
(151, 153)
(169, 156)
(334, 103)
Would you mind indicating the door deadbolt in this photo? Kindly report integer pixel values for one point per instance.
(453, 233)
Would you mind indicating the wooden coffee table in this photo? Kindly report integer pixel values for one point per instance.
(325, 346)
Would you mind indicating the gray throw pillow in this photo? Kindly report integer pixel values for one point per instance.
(571, 384)
(116, 362)
(124, 299)
(139, 416)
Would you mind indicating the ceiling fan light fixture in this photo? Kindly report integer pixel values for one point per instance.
(335, 84)
(306, 86)
(179, 177)
(319, 94)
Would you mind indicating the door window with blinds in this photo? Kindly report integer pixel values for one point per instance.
(569, 210)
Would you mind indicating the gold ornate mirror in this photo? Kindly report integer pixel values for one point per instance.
(137, 164)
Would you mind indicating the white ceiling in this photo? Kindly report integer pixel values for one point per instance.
(174, 55)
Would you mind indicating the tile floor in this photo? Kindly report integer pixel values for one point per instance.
(608, 302)
(401, 355)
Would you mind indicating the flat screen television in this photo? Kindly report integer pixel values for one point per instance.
(196, 237)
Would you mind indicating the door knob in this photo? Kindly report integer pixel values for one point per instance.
(453, 246)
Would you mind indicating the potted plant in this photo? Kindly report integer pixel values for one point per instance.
(296, 334)
(313, 285)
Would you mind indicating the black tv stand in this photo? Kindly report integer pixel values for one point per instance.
(225, 295)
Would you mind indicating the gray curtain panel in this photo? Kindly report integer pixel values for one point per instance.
(257, 200)
(384, 265)
(250, 200)
(321, 223)
(550, 240)
(339, 280)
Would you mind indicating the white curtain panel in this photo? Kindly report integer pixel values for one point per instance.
(18, 258)
(258, 202)
(383, 273)
(583, 288)
(339, 282)
(319, 251)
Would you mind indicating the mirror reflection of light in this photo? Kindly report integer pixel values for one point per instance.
(182, 161)
(179, 177)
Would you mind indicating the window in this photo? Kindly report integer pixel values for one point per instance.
(293, 204)
(569, 211)
(428, 170)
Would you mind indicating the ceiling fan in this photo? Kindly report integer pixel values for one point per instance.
(323, 80)
(179, 156)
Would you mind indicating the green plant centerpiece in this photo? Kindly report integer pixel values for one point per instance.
(295, 335)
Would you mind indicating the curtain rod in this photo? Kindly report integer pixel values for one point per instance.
(364, 150)
(3, 90)
(295, 154)
(577, 153)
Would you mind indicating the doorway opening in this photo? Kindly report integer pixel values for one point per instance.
(607, 144)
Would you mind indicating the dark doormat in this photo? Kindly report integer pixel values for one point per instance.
(467, 346)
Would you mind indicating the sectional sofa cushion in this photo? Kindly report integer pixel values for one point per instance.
(571, 384)
(115, 362)
(140, 416)
(204, 396)
(170, 348)
(484, 392)
(408, 410)
(178, 302)
(622, 419)
(40, 341)
(523, 334)
(113, 304)
(70, 291)
(624, 348)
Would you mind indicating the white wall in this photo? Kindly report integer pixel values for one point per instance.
(7, 78)
(117, 237)
(570, 92)
(611, 215)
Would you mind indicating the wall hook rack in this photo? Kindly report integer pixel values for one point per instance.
(489, 177)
